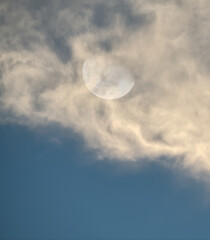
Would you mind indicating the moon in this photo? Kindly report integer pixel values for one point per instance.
(106, 79)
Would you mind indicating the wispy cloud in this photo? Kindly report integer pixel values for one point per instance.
(165, 44)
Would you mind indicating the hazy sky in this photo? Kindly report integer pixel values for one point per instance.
(163, 122)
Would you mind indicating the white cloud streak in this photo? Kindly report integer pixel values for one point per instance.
(165, 44)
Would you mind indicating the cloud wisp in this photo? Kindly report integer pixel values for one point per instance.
(165, 44)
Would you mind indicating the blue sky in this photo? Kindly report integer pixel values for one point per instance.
(59, 191)
(104, 119)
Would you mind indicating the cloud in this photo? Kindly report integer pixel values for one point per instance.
(165, 44)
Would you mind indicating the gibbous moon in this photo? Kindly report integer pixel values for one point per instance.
(105, 79)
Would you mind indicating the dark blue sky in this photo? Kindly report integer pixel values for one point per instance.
(58, 191)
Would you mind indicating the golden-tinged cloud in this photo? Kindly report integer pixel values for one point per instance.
(165, 44)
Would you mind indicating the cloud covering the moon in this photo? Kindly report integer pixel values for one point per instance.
(106, 79)
(164, 44)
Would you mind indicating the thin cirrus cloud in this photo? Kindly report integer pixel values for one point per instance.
(165, 44)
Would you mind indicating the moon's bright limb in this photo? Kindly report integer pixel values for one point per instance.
(106, 79)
